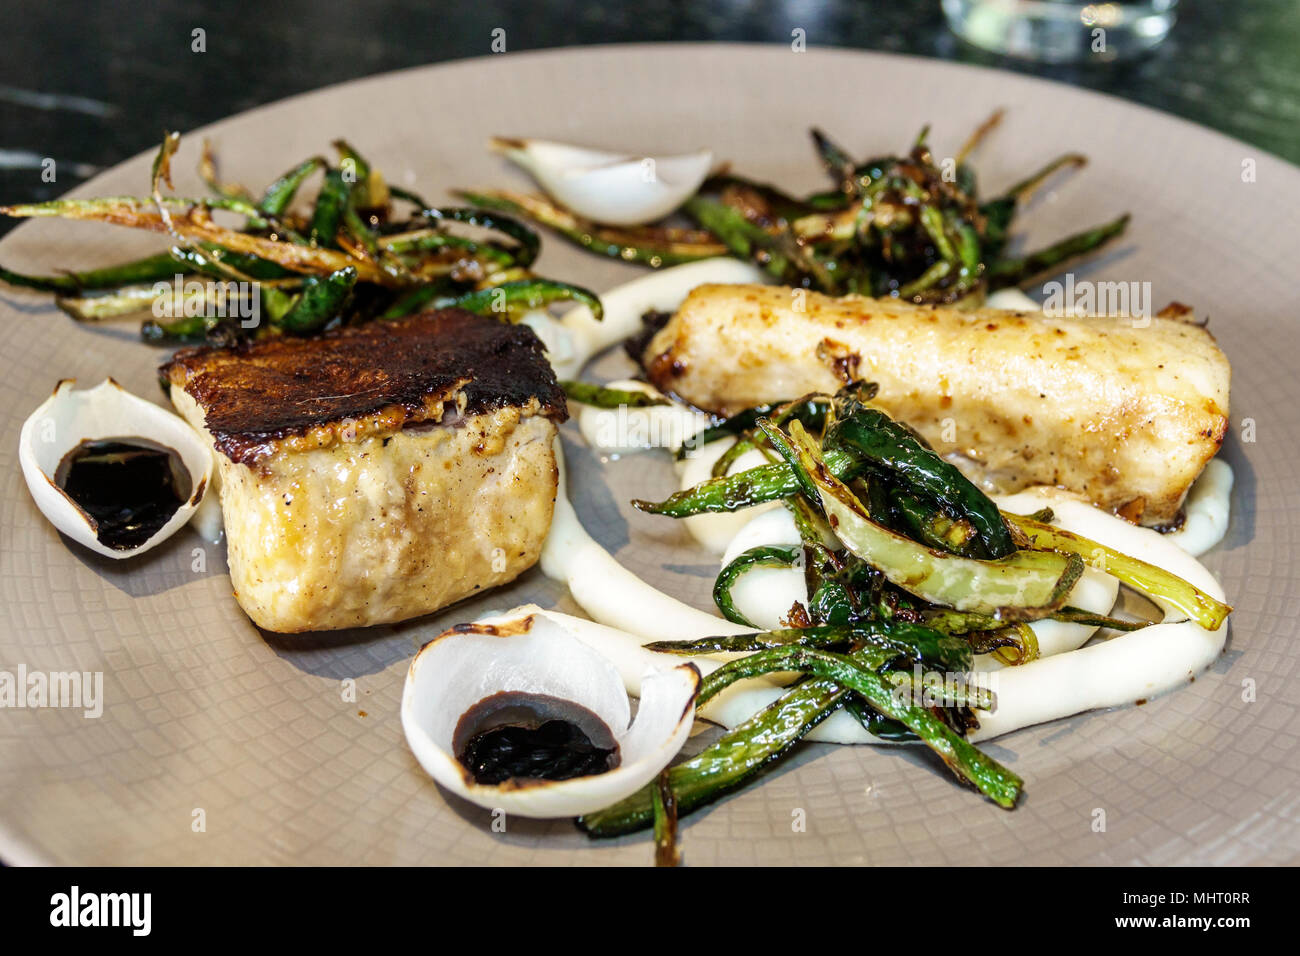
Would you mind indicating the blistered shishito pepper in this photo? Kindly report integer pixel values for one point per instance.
(723, 766)
(149, 269)
(752, 487)
(654, 246)
(529, 243)
(320, 301)
(728, 763)
(512, 299)
(599, 396)
(328, 214)
(886, 444)
(1023, 581)
(278, 195)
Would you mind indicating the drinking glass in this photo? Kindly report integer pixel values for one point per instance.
(1062, 31)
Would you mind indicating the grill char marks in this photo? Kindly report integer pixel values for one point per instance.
(380, 377)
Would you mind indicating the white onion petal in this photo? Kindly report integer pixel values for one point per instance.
(614, 188)
(539, 654)
(68, 417)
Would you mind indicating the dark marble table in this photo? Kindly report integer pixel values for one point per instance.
(89, 84)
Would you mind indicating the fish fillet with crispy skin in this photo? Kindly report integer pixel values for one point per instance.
(380, 472)
(1124, 412)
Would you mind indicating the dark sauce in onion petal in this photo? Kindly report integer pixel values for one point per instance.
(129, 487)
(513, 735)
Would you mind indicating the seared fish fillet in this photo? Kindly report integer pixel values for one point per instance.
(379, 472)
(1120, 411)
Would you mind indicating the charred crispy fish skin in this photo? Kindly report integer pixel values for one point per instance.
(377, 473)
(1123, 411)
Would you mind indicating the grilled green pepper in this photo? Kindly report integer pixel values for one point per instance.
(886, 444)
(1136, 573)
(1024, 581)
(320, 301)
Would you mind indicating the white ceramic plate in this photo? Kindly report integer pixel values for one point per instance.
(202, 712)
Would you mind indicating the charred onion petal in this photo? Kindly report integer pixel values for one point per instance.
(538, 657)
(106, 411)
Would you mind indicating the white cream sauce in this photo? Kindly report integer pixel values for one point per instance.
(715, 531)
(619, 431)
(764, 595)
(610, 593)
(576, 338)
(1206, 510)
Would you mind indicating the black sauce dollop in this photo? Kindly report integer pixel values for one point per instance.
(128, 487)
(513, 735)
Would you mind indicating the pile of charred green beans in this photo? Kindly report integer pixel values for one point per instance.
(908, 564)
(899, 226)
(349, 257)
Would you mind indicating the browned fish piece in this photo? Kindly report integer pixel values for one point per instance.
(377, 473)
(1125, 411)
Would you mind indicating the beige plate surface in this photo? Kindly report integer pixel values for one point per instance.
(202, 711)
